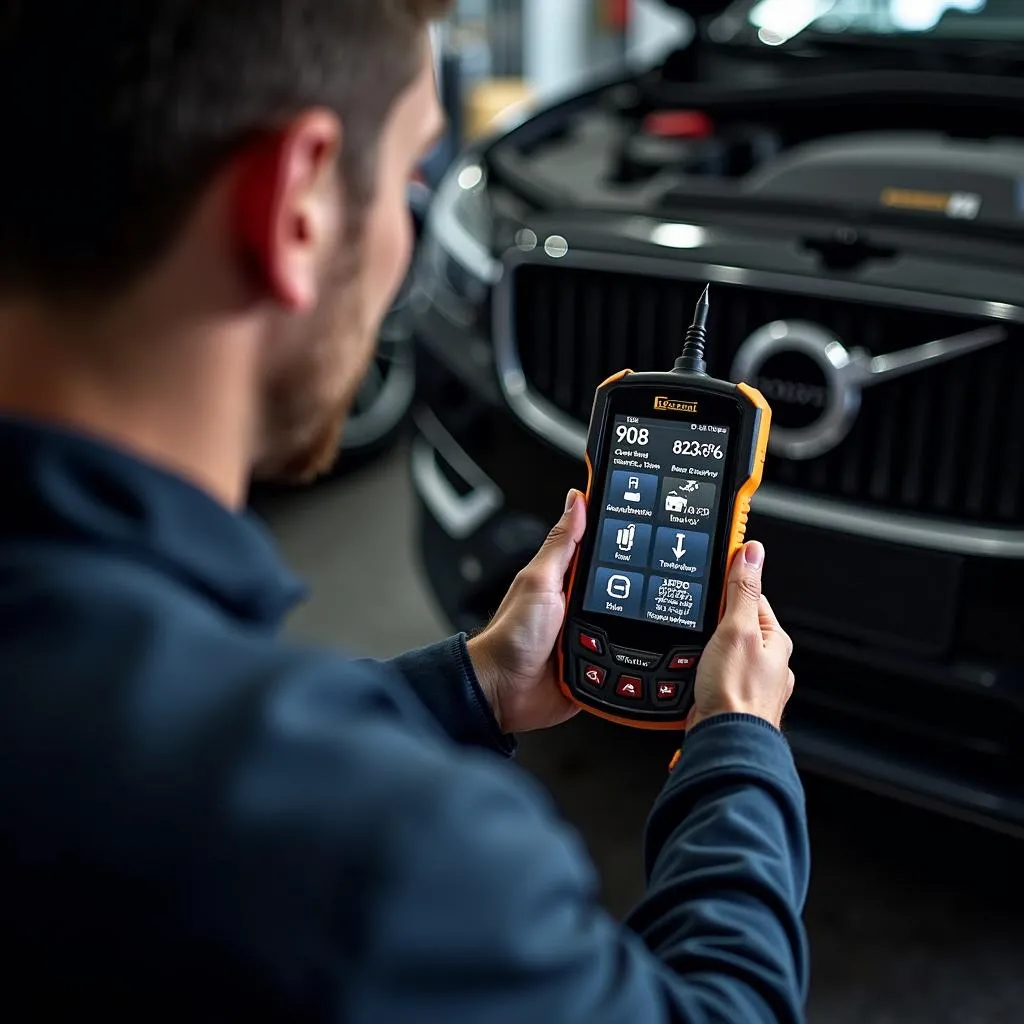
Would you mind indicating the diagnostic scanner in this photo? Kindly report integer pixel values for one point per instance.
(674, 460)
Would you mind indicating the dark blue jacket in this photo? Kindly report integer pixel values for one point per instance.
(204, 822)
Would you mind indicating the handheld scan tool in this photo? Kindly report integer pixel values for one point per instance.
(674, 460)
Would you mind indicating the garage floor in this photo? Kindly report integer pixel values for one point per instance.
(913, 919)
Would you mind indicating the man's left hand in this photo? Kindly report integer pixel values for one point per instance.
(514, 656)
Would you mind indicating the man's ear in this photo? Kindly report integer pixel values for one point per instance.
(288, 208)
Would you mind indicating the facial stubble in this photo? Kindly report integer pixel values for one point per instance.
(307, 402)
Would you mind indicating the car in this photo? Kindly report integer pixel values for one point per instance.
(851, 184)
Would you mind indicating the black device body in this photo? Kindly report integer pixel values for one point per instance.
(686, 452)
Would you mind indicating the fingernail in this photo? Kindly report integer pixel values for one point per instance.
(753, 554)
(570, 500)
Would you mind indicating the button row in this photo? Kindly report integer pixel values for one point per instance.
(635, 659)
(631, 687)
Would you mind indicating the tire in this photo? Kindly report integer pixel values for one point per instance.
(381, 409)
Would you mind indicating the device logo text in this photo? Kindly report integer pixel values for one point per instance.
(663, 404)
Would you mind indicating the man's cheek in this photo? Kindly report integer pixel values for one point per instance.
(399, 253)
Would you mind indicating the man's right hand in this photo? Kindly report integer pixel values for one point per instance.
(745, 667)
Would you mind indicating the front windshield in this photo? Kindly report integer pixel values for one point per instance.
(777, 21)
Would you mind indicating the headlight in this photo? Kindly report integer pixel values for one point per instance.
(455, 269)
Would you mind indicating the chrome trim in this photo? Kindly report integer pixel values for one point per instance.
(916, 531)
(460, 515)
(847, 373)
(570, 435)
(444, 226)
(842, 383)
(920, 357)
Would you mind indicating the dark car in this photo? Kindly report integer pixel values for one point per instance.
(852, 186)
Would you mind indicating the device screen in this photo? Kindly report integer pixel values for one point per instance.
(657, 521)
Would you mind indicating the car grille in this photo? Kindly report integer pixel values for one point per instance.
(944, 442)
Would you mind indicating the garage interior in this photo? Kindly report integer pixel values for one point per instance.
(837, 188)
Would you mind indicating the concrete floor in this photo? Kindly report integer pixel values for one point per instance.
(913, 919)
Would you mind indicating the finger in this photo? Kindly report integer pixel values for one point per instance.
(743, 600)
(771, 629)
(549, 566)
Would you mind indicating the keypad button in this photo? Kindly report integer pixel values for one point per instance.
(591, 643)
(593, 675)
(630, 687)
(682, 663)
(666, 692)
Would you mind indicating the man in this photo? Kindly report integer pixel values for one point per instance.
(203, 223)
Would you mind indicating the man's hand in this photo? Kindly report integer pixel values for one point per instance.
(745, 667)
(514, 656)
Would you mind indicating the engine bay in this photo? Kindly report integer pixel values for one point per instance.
(915, 146)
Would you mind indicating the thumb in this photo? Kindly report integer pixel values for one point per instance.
(743, 601)
(551, 563)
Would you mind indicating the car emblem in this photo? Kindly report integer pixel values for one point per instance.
(814, 382)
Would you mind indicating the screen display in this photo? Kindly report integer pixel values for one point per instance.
(657, 521)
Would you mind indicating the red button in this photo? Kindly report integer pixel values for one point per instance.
(590, 643)
(667, 691)
(681, 664)
(631, 687)
(594, 676)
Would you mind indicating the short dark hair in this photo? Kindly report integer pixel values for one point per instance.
(117, 113)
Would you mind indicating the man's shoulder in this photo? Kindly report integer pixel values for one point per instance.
(74, 619)
(160, 697)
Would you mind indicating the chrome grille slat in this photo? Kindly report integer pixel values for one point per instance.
(946, 442)
(951, 426)
(1012, 465)
(565, 349)
(882, 460)
(984, 436)
(594, 313)
(620, 354)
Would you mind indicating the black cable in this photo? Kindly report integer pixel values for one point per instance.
(692, 359)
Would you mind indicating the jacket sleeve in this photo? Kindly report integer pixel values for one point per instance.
(496, 913)
(728, 865)
(443, 678)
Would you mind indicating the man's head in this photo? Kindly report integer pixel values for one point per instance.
(254, 153)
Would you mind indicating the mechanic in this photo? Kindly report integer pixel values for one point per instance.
(203, 225)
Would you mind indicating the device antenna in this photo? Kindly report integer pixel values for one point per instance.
(692, 359)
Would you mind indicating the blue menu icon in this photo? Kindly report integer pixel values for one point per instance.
(617, 593)
(681, 551)
(633, 490)
(625, 542)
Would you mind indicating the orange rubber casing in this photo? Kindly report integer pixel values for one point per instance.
(736, 527)
(745, 495)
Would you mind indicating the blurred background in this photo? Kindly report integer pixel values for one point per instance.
(849, 176)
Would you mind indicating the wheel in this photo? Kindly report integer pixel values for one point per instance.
(382, 407)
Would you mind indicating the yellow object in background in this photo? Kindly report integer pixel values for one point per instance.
(490, 100)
